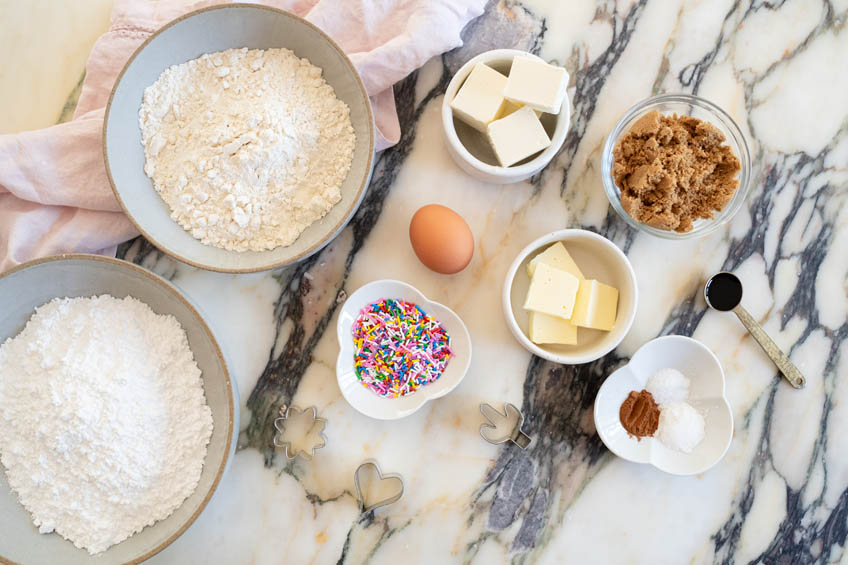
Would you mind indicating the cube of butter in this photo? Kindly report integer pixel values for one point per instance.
(517, 136)
(557, 257)
(480, 98)
(537, 84)
(552, 292)
(596, 305)
(550, 329)
(510, 107)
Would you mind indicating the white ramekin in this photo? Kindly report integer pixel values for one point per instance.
(500, 60)
(598, 258)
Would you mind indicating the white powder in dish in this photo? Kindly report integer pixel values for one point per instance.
(103, 419)
(681, 427)
(668, 385)
(248, 148)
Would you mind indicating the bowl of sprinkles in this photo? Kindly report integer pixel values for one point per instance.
(397, 350)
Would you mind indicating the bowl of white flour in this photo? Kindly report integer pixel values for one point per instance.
(117, 412)
(239, 138)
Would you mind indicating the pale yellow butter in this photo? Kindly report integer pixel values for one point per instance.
(556, 256)
(550, 329)
(596, 305)
(509, 107)
(517, 136)
(537, 84)
(552, 292)
(480, 98)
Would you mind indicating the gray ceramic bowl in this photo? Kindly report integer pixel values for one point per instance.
(37, 282)
(205, 31)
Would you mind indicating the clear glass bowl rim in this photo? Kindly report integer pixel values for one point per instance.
(613, 193)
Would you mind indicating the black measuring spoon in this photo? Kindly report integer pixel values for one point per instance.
(724, 293)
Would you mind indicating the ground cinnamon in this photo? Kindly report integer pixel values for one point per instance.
(639, 414)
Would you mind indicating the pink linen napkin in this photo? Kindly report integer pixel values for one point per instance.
(54, 193)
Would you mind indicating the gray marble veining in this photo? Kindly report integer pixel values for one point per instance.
(780, 496)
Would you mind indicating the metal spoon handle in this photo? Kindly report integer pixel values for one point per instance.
(787, 367)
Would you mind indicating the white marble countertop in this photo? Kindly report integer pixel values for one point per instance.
(781, 493)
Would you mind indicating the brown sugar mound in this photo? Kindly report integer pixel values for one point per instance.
(673, 170)
(639, 414)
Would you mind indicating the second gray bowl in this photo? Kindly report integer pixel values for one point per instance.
(32, 284)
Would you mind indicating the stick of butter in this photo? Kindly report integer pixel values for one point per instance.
(552, 292)
(537, 84)
(557, 257)
(517, 136)
(595, 306)
(550, 329)
(480, 99)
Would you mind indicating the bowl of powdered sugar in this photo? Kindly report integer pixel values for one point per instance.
(239, 138)
(117, 412)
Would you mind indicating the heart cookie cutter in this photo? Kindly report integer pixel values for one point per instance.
(504, 426)
(315, 429)
(363, 505)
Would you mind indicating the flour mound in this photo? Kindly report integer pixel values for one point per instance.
(103, 420)
(247, 147)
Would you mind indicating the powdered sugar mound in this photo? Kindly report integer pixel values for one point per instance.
(247, 147)
(103, 420)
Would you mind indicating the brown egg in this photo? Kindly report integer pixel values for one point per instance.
(441, 239)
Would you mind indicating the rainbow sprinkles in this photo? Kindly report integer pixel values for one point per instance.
(399, 348)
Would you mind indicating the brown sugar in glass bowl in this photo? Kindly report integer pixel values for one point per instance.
(676, 177)
(673, 170)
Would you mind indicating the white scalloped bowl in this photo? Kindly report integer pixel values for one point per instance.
(363, 399)
(706, 393)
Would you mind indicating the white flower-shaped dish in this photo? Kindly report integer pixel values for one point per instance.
(366, 401)
(706, 393)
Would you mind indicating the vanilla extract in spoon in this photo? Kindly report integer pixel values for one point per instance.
(723, 292)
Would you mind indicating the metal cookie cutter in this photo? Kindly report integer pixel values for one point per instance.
(313, 428)
(397, 492)
(504, 426)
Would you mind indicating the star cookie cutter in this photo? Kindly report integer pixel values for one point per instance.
(504, 426)
(314, 429)
(381, 478)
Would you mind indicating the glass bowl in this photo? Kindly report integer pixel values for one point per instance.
(681, 104)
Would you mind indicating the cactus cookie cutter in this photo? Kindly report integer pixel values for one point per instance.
(292, 413)
(504, 426)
